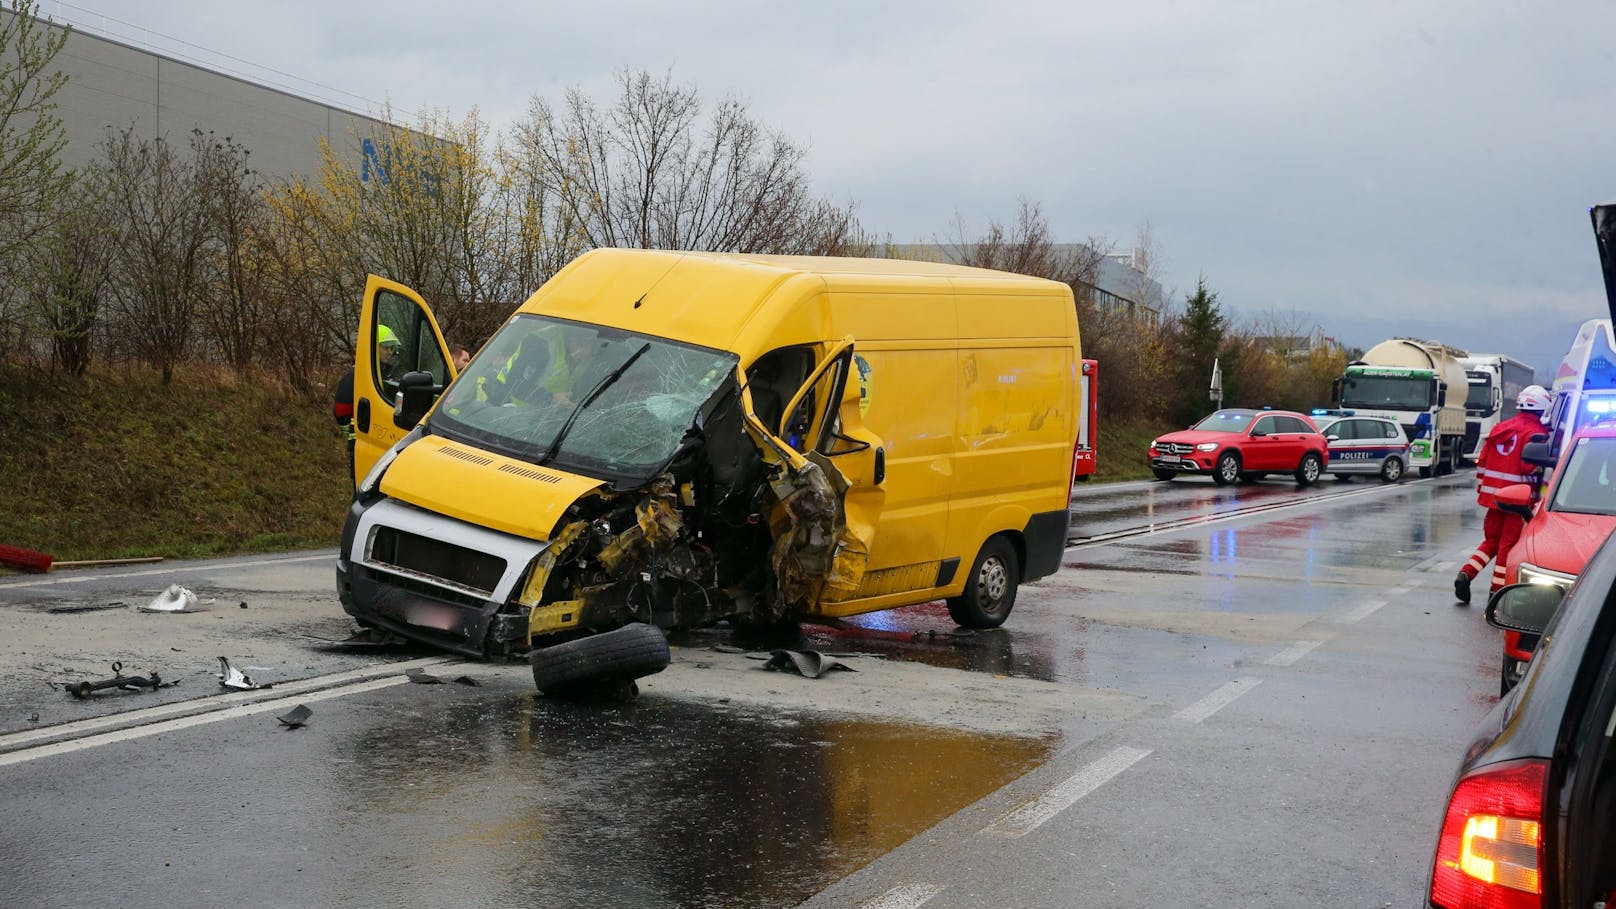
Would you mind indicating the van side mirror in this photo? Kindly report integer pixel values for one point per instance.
(1525, 608)
(1537, 451)
(416, 392)
(1441, 394)
(1515, 499)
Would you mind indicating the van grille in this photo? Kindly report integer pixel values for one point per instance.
(424, 556)
(531, 473)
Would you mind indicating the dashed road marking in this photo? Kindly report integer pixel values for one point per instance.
(1359, 614)
(906, 896)
(1292, 653)
(1065, 794)
(1216, 701)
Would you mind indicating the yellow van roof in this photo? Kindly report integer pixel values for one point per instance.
(708, 298)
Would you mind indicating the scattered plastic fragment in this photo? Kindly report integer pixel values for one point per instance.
(808, 663)
(174, 599)
(231, 677)
(467, 680)
(296, 717)
(422, 678)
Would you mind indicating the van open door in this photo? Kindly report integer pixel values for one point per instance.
(398, 337)
(828, 488)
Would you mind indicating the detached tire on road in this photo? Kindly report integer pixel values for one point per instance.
(990, 588)
(1226, 469)
(1307, 472)
(622, 654)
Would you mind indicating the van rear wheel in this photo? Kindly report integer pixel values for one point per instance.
(990, 589)
(620, 655)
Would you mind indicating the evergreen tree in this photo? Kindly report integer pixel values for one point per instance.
(1200, 331)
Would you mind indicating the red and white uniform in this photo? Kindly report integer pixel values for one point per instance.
(1499, 465)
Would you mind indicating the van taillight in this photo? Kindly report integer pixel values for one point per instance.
(1490, 855)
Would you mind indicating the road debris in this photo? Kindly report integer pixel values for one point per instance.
(73, 608)
(25, 559)
(808, 663)
(296, 717)
(422, 678)
(363, 639)
(467, 680)
(105, 563)
(82, 690)
(174, 599)
(231, 677)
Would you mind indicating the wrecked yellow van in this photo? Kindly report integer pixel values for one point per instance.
(674, 439)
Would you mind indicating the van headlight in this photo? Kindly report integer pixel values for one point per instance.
(1207, 446)
(1531, 574)
(374, 478)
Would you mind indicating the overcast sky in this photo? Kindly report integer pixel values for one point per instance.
(1381, 168)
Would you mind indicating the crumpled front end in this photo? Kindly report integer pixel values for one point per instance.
(433, 578)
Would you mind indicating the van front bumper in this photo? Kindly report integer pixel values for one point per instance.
(434, 579)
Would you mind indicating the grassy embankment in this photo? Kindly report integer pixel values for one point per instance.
(118, 466)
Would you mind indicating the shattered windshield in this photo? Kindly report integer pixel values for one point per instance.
(1387, 392)
(538, 373)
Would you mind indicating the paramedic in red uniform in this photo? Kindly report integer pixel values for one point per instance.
(1499, 464)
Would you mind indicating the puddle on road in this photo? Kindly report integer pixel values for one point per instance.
(528, 801)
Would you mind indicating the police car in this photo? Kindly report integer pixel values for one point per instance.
(1370, 446)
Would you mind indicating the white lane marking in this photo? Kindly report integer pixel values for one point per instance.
(1193, 523)
(171, 570)
(1216, 701)
(1292, 653)
(124, 735)
(281, 691)
(1031, 816)
(905, 896)
(1359, 614)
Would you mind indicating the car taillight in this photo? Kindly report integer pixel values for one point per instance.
(1490, 855)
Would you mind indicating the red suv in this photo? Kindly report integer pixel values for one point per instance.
(1243, 444)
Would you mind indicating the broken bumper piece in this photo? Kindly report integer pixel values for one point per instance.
(434, 579)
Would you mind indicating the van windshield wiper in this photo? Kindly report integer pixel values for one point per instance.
(604, 383)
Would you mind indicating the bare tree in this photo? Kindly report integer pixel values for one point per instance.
(1025, 247)
(232, 194)
(31, 135)
(163, 239)
(65, 274)
(650, 172)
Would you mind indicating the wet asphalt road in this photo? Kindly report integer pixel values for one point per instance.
(1249, 711)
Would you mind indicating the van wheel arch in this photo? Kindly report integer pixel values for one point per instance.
(990, 587)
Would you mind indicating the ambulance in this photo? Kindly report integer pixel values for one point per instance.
(1584, 387)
